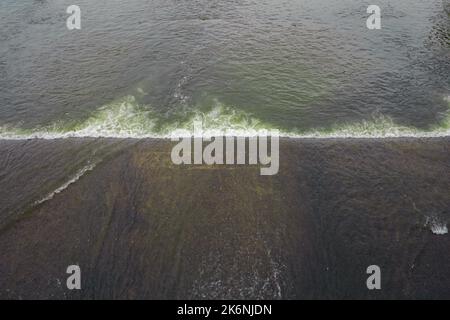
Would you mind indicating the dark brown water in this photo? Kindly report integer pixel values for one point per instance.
(140, 227)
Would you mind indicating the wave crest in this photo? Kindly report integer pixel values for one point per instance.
(125, 118)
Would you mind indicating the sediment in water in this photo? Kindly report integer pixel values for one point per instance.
(141, 227)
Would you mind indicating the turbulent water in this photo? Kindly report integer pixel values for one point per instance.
(150, 68)
(86, 178)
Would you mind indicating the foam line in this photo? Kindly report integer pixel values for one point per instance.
(64, 186)
(126, 119)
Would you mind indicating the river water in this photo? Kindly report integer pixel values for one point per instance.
(86, 179)
(148, 68)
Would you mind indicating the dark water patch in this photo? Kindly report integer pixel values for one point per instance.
(140, 227)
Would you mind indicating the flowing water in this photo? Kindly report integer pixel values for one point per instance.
(364, 163)
(147, 68)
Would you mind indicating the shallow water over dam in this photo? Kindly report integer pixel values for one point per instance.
(140, 227)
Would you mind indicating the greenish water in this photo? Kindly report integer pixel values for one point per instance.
(142, 227)
(149, 69)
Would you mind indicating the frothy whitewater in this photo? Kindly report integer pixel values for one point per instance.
(127, 119)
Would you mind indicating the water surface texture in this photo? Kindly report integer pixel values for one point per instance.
(141, 227)
(99, 189)
(149, 68)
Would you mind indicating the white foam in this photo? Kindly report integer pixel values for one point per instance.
(437, 226)
(72, 180)
(126, 119)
